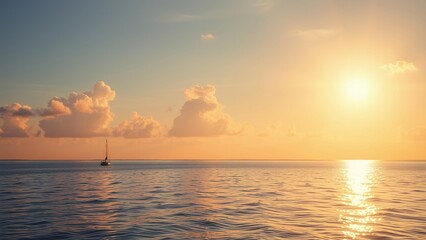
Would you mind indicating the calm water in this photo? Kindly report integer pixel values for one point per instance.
(213, 200)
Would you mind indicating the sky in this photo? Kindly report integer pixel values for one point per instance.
(255, 79)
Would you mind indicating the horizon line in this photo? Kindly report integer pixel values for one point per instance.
(212, 159)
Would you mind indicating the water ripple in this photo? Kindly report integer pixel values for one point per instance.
(213, 200)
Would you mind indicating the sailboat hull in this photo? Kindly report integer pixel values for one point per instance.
(105, 163)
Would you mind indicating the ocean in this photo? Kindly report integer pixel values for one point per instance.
(362, 199)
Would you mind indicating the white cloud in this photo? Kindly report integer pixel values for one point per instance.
(399, 67)
(15, 117)
(80, 115)
(201, 115)
(138, 127)
(207, 37)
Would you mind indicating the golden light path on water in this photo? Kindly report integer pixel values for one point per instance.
(358, 216)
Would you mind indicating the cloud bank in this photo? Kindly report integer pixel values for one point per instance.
(15, 117)
(138, 127)
(399, 67)
(85, 114)
(88, 114)
(201, 115)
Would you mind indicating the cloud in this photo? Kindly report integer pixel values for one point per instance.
(56, 107)
(80, 115)
(207, 37)
(316, 33)
(201, 115)
(399, 67)
(264, 6)
(15, 117)
(138, 127)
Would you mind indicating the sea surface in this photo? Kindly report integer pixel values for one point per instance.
(213, 200)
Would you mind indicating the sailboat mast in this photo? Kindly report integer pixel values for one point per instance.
(106, 161)
(106, 149)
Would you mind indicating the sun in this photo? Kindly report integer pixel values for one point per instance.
(357, 89)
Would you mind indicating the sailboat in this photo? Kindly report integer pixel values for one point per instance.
(106, 161)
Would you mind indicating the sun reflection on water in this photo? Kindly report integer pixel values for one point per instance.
(358, 215)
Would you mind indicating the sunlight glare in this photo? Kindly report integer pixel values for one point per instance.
(357, 89)
(359, 216)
